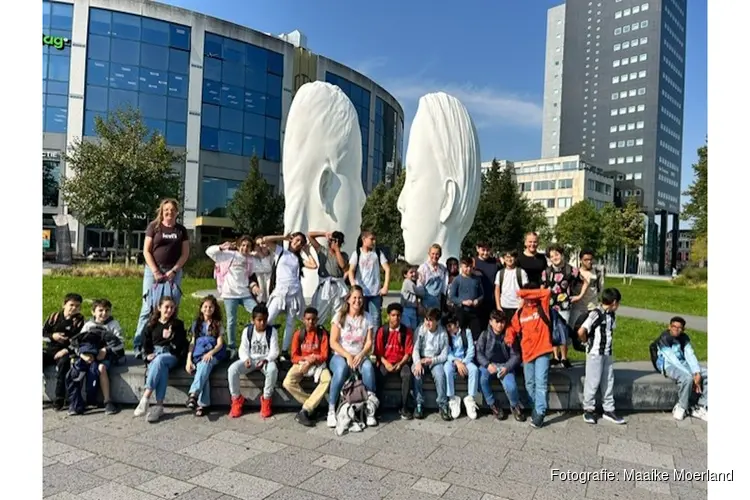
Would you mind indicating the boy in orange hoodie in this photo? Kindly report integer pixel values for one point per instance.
(309, 355)
(531, 323)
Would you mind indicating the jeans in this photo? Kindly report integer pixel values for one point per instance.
(63, 366)
(309, 401)
(409, 318)
(450, 375)
(269, 370)
(535, 374)
(231, 305)
(201, 384)
(438, 376)
(600, 375)
(373, 305)
(685, 387)
(158, 374)
(341, 373)
(404, 374)
(148, 282)
(508, 382)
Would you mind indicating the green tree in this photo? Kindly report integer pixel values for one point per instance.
(538, 223)
(696, 208)
(380, 215)
(256, 208)
(611, 240)
(579, 227)
(117, 181)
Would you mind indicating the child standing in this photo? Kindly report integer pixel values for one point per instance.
(409, 298)
(460, 361)
(430, 352)
(57, 332)
(508, 281)
(597, 333)
(259, 349)
(205, 351)
(309, 357)
(165, 346)
(466, 293)
(394, 345)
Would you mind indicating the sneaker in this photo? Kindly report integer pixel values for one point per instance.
(236, 409)
(405, 414)
(331, 421)
(700, 412)
(496, 411)
(371, 421)
(73, 413)
(58, 405)
(518, 413)
(678, 412)
(471, 407)
(304, 418)
(565, 363)
(265, 407)
(419, 412)
(155, 413)
(142, 407)
(589, 417)
(554, 361)
(537, 421)
(610, 415)
(110, 408)
(454, 404)
(445, 413)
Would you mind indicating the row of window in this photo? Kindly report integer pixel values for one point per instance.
(626, 126)
(235, 143)
(667, 197)
(599, 187)
(635, 42)
(119, 25)
(57, 20)
(631, 60)
(626, 144)
(627, 110)
(671, 82)
(671, 99)
(669, 147)
(668, 180)
(679, 9)
(627, 77)
(628, 93)
(673, 51)
(565, 202)
(238, 53)
(628, 193)
(670, 132)
(634, 176)
(671, 115)
(633, 10)
(134, 78)
(133, 53)
(674, 35)
(360, 97)
(672, 66)
(631, 27)
(626, 159)
(215, 195)
(670, 165)
(551, 184)
(677, 22)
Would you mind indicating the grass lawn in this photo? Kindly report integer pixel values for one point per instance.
(632, 337)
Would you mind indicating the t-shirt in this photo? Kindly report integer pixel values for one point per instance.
(508, 294)
(328, 266)
(368, 271)
(287, 272)
(534, 266)
(488, 270)
(592, 292)
(354, 333)
(560, 282)
(166, 244)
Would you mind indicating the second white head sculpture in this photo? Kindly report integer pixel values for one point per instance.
(322, 166)
(443, 178)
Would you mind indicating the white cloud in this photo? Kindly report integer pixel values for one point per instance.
(368, 66)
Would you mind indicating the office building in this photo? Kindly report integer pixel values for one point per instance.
(685, 240)
(216, 91)
(614, 92)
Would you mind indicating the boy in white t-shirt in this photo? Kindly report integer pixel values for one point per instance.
(508, 281)
(364, 270)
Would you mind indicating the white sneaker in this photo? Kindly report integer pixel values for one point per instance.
(454, 404)
(155, 413)
(370, 409)
(678, 412)
(471, 407)
(142, 407)
(331, 422)
(700, 412)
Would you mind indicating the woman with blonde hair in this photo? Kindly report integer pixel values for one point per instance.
(166, 249)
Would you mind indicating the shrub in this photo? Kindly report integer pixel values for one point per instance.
(692, 276)
(88, 270)
(199, 267)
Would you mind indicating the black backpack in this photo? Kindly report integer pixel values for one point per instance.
(269, 332)
(501, 276)
(600, 317)
(401, 328)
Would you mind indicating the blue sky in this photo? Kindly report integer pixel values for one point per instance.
(489, 54)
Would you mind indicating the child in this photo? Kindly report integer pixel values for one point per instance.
(466, 293)
(165, 346)
(394, 345)
(259, 349)
(593, 278)
(530, 323)
(597, 333)
(560, 278)
(89, 350)
(409, 299)
(461, 361)
(57, 332)
(498, 360)
(508, 281)
(332, 267)
(262, 264)
(205, 351)
(676, 359)
(430, 352)
(309, 357)
(453, 269)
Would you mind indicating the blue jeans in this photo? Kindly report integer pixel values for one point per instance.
(231, 304)
(157, 376)
(373, 305)
(340, 371)
(508, 382)
(438, 376)
(148, 282)
(685, 391)
(201, 385)
(450, 376)
(409, 318)
(535, 373)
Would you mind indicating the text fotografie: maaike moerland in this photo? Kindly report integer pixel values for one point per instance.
(605, 475)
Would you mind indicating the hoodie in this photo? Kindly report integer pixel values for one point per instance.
(677, 353)
(306, 344)
(431, 345)
(535, 335)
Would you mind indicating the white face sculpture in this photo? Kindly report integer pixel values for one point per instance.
(443, 178)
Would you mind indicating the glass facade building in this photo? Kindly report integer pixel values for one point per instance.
(57, 30)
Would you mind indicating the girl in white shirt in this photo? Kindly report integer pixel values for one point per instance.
(262, 262)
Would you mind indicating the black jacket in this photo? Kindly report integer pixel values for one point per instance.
(506, 355)
(177, 342)
(58, 323)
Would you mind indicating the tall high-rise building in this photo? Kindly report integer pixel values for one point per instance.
(614, 93)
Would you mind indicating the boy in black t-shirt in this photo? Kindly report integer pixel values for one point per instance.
(59, 329)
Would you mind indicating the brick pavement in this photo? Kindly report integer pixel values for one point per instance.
(95, 457)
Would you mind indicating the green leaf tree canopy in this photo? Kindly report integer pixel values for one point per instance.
(579, 227)
(256, 208)
(380, 215)
(697, 208)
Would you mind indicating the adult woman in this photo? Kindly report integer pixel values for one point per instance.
(351, 341)
(166, 250)
(285, 286)
(432, 279)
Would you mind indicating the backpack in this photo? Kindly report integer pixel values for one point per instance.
(221, 271)
(204, 344)
(501, 276)
(378, 251)
(276, 259)
(269, 332)
(115, 346)
(577, 345)
(654, 349)
(401, 328)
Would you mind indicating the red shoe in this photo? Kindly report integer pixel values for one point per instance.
(265, 407)
(236, 410)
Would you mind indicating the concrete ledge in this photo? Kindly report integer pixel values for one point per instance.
(637, 387)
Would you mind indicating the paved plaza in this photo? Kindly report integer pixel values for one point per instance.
(98, 457)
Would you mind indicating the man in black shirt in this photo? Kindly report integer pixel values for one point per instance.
(531, 261)
(485, 267)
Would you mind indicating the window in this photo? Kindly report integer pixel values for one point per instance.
(642, 57)
(624, 78)
(618, 31)
(626, 12)
(615, 79)
(617, 47)
(548, 203)
(638, 175)
(623, 111)
(618, 14)
(613, 112)
(613, 129)
(563, 202)
(216, 194)
(644, 24)
(616, 63)
(57, 19)
(611, 161)
(621, 127)
(628, 159)
(631, 109)
(644, 6)
(624, 61)
(544, 185)
(524, 187)
(636, 9)
(620, 160)
(565, 183)
(639, 142)
(620, 144)
(642, 91)
(626, 29)
(631, 93)
(631, 126)
(641, 107)
(625, 45)
(642, 74)
(623, 94)
(639, 125)
(615, 96)
(612, 145)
